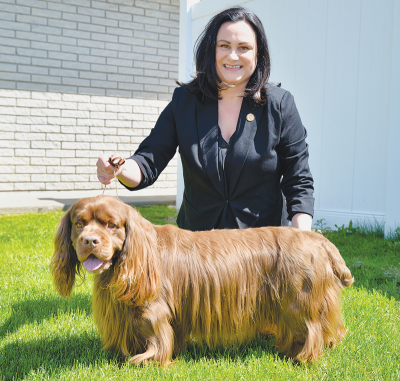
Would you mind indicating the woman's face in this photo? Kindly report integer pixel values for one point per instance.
(236, 53)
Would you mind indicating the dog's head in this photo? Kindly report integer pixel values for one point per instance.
(98, 231)
(105, 235)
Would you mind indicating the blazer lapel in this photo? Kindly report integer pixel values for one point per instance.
(207, 125)
(245, 130)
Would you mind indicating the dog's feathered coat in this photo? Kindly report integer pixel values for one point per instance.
(155, 287)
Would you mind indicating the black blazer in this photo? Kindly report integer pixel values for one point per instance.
(270, 155)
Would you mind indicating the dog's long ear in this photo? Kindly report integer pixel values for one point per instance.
(136, 274)
(64, 263)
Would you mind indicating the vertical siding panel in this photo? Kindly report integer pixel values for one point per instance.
(263, 9)
(283, 41)
(392, 216)
(372, 107)
(340, 115)
(310, 79)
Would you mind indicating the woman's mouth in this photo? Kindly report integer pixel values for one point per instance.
(232, 67)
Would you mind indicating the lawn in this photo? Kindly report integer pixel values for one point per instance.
(46, 337)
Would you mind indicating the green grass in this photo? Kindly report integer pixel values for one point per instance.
(46, 337)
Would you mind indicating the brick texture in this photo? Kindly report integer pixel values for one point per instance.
(50, 153)
(78, 79)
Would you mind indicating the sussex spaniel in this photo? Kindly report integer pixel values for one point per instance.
(158, 287)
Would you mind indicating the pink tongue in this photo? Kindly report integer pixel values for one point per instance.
(92, 263)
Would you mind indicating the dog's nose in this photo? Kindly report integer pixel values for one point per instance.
(91, 241)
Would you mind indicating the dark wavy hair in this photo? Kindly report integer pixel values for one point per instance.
(207, 84)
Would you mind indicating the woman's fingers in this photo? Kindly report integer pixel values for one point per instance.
(105, 170)
(104, 177)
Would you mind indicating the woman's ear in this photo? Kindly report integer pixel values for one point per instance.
(64, 263)
(136, 275)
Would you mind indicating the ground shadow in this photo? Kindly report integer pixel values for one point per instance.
(256, 348)
(36, 310)
(18, 359)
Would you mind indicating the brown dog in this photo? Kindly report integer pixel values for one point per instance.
(156, 287)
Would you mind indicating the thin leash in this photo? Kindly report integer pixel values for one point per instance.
(116, 162)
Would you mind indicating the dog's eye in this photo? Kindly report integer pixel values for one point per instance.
(110, 225)
(79, 225)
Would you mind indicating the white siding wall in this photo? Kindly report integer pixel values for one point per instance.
(341, 61)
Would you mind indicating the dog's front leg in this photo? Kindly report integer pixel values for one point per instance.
(159, 338)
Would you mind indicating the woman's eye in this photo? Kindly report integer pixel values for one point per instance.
(245, 48)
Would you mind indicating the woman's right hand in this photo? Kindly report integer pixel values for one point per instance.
(105, 171)
(128, 173)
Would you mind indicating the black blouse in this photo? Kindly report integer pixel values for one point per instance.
(227, 219)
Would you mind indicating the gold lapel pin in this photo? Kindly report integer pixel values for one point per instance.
(250, 117)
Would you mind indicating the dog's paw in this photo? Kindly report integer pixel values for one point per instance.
(147, 358)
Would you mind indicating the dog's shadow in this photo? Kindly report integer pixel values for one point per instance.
(37, 310)
(259, 347)
(20, 357)
(47, 355)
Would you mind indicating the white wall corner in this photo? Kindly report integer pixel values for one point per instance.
(393, 153)
(184, 74)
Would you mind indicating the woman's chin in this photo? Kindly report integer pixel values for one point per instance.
(232, 82)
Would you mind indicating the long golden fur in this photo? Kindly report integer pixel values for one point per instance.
(157, 287)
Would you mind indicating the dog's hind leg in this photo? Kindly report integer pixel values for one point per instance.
(313, 344)
(303, 332)
(303, 343)
(299, 332)
(331, 318)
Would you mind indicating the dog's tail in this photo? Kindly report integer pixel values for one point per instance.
(338, 265)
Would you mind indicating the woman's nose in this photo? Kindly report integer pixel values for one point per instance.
(233, 55)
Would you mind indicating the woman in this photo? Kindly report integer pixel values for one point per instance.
(241, 140)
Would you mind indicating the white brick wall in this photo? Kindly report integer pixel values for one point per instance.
(112, 48)
(60, 153)
(79, 78)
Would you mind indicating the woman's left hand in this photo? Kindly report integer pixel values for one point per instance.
(302, 221)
